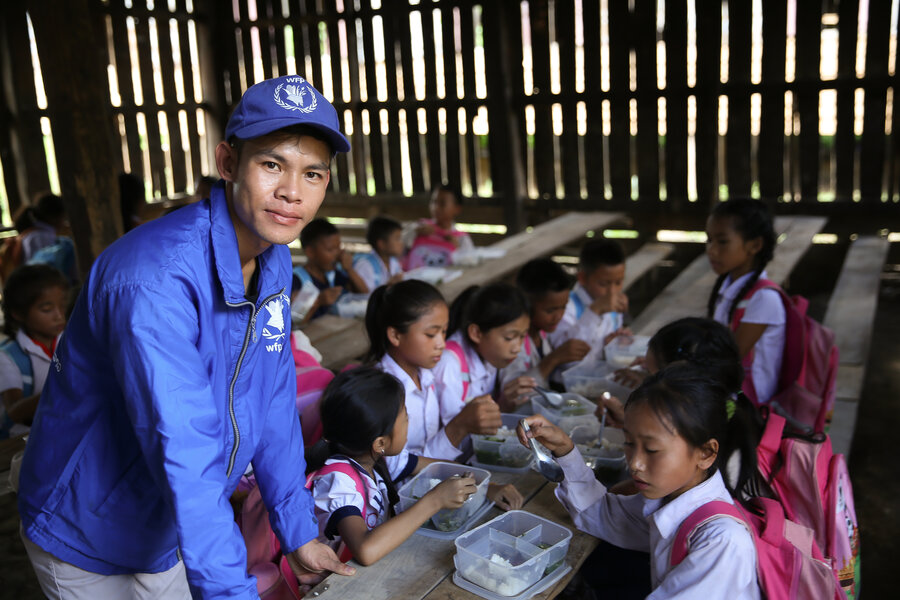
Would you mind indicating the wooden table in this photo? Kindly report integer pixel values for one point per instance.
(421, 567)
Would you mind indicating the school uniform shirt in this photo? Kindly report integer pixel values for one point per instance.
(11, 377)
(448, 378)
(371, 269)
(425, 435)
(528, 361)
(764, 308)
(579, 322)
(336, 497)
(721, 562)
(311, 287)
(40, 235)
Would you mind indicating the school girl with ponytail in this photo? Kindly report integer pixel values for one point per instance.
(740, 243)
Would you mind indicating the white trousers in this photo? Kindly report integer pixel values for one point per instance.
(64, 581)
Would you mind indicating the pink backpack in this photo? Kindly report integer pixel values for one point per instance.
(431, 250)
(806, 384)
(813, 486)
(341, 467)
(789, 565)
(457, 349)
(312, 379)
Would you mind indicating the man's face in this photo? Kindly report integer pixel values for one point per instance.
(278, 183)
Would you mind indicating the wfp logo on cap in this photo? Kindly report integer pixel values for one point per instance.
(295, 94)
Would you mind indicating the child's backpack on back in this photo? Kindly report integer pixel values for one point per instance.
(789, 564)
(806, 384)
(457, 350)
(432, 250)
(274, 578)
(312, 379)
(813, 486)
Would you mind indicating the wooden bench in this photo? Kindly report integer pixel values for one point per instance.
(648, 256)
(687, 295)
(851, 315)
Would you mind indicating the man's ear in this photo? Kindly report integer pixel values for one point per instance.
(226, 161)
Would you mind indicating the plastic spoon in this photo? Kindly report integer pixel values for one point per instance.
(546, 465)
(554, 399)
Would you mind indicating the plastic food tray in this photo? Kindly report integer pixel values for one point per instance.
(541, 586)
(428, 529)
(568, 418)
(591, 380)
(444, 519)
(622, 351)
(508, 455)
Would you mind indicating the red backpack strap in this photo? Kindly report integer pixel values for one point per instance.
(348, 470)
(704, 514)
(456, 349)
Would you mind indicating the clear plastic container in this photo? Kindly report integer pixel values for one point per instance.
(605, 457)
(576, 411)
(591, 380)
(502, 449)
(446, 519)
(499, 562)
(548, 536)
(622, 351)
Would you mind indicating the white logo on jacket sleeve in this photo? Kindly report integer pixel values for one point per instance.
(273, 331)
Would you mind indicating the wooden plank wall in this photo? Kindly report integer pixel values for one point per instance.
(591, 115)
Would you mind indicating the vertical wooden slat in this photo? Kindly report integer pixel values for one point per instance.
(388, 25)
(276, 35)
(401, 20)
(157, 161)
(844, 140)
(337, 82)
(454, 169)
(432, 136)
(873, 140)
(27, 116)
(124, 70)
(675, 36)
(544, 159)
(246, 42)
(709, 44)
(263, 14)
(14, 172)
(593, 140)
(360, 141)
(167, 68)
(187, 68)
(770, 151)
(620, 118)
(568, 159)
(376, 148)
(740, 18)
(467, 29)
(644, 41)
(809, 23)
(307, 42)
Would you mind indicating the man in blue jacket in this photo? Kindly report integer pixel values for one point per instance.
(175, 373)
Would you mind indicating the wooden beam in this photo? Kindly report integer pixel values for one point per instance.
(647, 257)
(78, 104)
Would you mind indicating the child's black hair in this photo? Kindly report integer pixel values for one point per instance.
(600, 253)
(357, 407)
(22, 289)
(685, 397)
(48, 208)
(488, 307)
(751, 219)
(380, 229)
(542, 276)
(443, 187)
(316, 230)
(396, 305)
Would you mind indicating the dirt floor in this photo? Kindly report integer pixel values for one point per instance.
(874, 467)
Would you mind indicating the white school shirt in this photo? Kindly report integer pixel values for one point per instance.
(764, 307)
(11, 376)
(448, 379)
(528, 361)
(371, 269)
(588, 327)
(336, 496)
(721, 562)
(426, 435)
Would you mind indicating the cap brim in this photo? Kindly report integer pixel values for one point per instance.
(337, 140)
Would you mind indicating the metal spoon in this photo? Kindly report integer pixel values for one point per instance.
(604, 396)
(546, 465)
(552, 398)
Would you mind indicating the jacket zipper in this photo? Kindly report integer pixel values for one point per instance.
(251, 327)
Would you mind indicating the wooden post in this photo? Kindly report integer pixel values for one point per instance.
(74, 70)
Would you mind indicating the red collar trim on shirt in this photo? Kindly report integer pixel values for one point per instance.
(47, 351)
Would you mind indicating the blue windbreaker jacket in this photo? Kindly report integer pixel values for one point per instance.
(166, 383)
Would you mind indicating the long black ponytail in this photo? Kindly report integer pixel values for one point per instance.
(751, 219)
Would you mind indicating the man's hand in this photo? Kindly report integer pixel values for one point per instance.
(312, 562)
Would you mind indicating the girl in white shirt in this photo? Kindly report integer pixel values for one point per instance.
(740, 243)
(674, 424)
(364, 420)
(487, 326)
(406, 323)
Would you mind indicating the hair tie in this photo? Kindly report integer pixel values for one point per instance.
(730, 407)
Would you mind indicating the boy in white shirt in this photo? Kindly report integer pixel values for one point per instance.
(382, 264)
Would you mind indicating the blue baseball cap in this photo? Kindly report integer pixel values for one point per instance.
(277, 103)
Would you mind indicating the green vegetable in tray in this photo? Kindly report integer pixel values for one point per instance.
(553, 567)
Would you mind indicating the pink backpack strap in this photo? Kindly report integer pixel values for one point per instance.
(748, 388)
(770, 443)
(348, 470)
(704, 514)
(456, 349)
